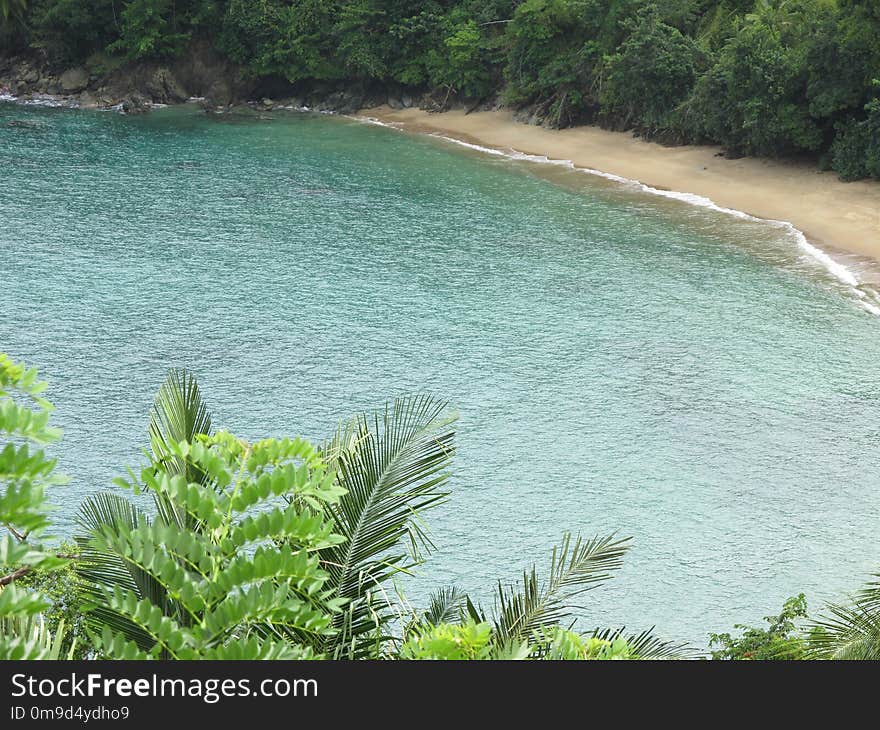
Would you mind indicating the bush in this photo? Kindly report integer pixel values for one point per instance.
(551, 59)
(25, 473)
(855, 153)
(782, 639)
(753, 99)
(652, 72)
(149, 29)
(71, 30)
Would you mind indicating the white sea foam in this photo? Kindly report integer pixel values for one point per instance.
(46, 100)
(842, 273)
(396, 126)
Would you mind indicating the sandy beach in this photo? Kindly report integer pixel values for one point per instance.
(840, 217)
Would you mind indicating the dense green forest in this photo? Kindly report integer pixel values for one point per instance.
(759, 77)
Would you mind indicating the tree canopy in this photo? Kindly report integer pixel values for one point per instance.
(762, 77)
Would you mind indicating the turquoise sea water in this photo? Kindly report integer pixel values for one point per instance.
(619, 361)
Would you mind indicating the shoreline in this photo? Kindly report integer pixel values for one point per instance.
(841, 219)
(835, 223)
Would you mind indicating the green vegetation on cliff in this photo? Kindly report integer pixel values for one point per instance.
(760, 77)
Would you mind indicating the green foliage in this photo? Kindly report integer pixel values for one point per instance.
(392, 469)
(277, 549)
(71, 30)
(850, 631)
(651, 73)
(63, 618)
(752, 99)
(782, 639)
(551, 58)
(575, 568)
(149, 29)
(247, 571)
(472, 641)
(229, 563)
(293, 40)
(459, 64)
(416, 40)
(12, 11)
(527, 618)
(29, 637)
(468, 641)
(557, 643)
(856, 148)
(758, 77)
(25, 472)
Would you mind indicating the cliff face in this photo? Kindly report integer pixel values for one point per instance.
(200, 74)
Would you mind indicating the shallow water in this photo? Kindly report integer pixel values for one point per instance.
(619, 361)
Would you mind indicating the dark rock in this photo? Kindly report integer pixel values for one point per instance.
(374, 98)
(74, 80)
(219, 93)
(164, 88)
(528, 115)
(395, 103)
(342, 102)
(407, 101)
(135, 104)
(293, 101)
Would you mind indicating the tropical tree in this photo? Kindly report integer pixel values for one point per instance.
(385, 471)
(533, 618)
(651, 73)
(25, 473)
(228, 567)
(850, 630)
(393, 468)
(149, 579)
(227, 589)
(178, 415)
(783, 639)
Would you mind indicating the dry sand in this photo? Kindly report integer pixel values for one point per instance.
(838, 216)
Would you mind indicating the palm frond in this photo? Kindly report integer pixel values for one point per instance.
(99, 568)
(446, 605)
(178, 414)
(646, 645)
(848, 633)
(393, 469)
(28, 637)
(574, 568)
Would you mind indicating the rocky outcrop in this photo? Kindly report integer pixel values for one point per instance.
(74, 80)
(135, 104)
(201, 75)
(164, 88)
